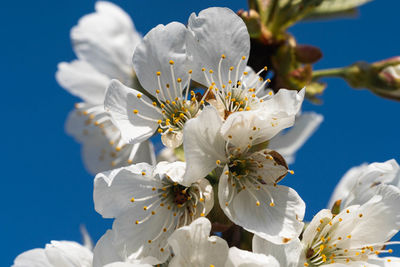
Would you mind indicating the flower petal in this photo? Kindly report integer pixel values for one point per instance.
(358, 184)
(32, 258)
(68, 254)
(288, 255)
(279, 222)
(105, 252)
(192, 246)
(203, 145)
(153, 54)
(244, 258)
(287, 144)
(106, 39)
(82, 80)
(259, 125)
(215, 32)
(113, 190)
(122, 102)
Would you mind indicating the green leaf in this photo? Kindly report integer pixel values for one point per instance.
(336, 8)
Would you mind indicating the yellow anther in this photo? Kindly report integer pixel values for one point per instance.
(145, 207)
(245, 73)
(190, 71)
(390, 250)
(347, 211)
(135, 111)
(210, 71)
(291, 171)
(136, 222)
(258, 203)
(157, 91)
(143, 173)
(223, 56)
(349, 236)
(153, 212)
(158, 73)
(159, 121)
(118, 148)
(203, 69)
(139, 95)
(160, 130)
(153, 189)
(202, 214)
(270, 93)
(155, 104)
(132, 199)
(265, 68)
(149, 241)
(306, 264)
(231, 68)
(218, 161)
(272, 204)
(179, 80)
(171, 62)
(247, 108)
(243, 58)
(360, 215)
(162, 249)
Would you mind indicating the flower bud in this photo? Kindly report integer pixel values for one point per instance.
(382, 77)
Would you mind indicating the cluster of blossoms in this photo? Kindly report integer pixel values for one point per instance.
(191, 84)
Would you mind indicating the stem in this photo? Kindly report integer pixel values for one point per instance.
(334, 72)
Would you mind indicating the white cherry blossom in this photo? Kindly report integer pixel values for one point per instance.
(359, 184)
(248, 192)
(148, 204)
(161, 64)
(103, 42)
(354, 237)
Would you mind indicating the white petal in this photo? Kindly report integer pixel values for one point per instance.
(203, 144)
(121, 101)
(171, 139)
(287, 144)
(243, 258)
(153, 54)
(68, 254)
(174, 170)
(134, 239)
(379, 220)
(32, 258)
(279, 223)
(105, 252)
(82, 80)
(106, 39)
(192, 246)
(288, 255)
(357, 185)
(213, 33)
(259, 125)
(113, 190)
(311, 229)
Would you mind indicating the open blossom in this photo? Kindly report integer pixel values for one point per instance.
(103, 42)
(248, 192)
(161, 64)
(56, 254)
(149, 203)
(354, 237)
(360, 183)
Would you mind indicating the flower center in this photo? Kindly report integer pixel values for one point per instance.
(239, 94)
(173, 105)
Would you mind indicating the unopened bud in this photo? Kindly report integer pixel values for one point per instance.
(307, 54)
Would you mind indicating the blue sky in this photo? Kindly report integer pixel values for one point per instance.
(46, 193)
